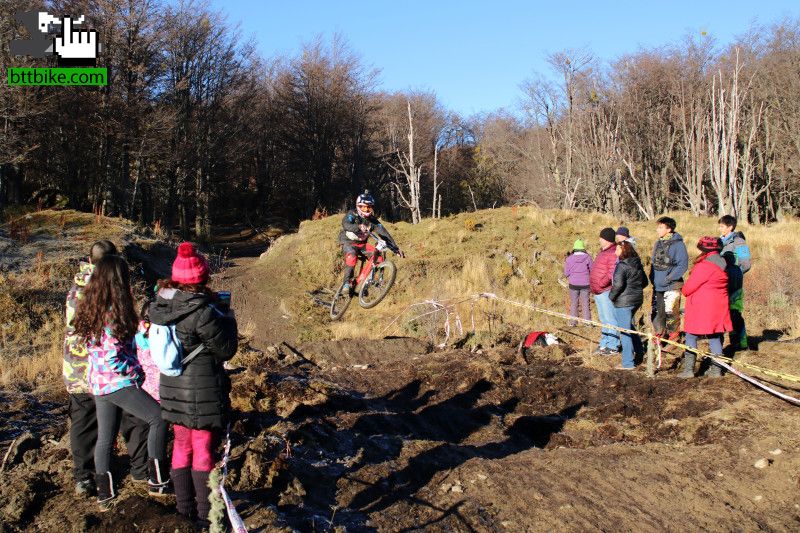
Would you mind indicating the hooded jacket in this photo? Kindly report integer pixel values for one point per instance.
(670, 261)
(75, 367)
(627, 287)
(198, 398)
(706, 291)
(576, 269)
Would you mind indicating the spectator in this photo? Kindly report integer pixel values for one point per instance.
(707, 313)
(627, 295)
(624, 234)
(196, 402)
(576, 269)
(600, 284)
(151, 371)
(75, 369)
(736, 252)
(669, 263)
(106, 319)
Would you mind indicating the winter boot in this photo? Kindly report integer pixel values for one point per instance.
(105, 491)
(202, 492)
(184, 491)
(158, 484)
(713, 371)
(688, 365)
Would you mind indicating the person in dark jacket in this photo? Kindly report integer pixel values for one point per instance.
(737, 253)
(356, 227)
(577, 266)
(196, 402)
(627, 295)
(600, 284)
(707, 313)
(669, 263)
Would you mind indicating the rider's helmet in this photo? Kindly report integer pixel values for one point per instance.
(365, 204)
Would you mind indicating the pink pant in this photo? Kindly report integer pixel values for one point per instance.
(193, 447)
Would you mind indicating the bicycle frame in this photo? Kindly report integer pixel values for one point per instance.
(368, 263)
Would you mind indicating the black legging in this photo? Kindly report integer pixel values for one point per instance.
(138, 403)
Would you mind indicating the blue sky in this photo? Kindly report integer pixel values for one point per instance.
(475, 54)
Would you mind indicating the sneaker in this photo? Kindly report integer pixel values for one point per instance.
(620, 367)
(84, 487)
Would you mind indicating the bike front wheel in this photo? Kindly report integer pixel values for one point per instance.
(341, 300)
(374, 290)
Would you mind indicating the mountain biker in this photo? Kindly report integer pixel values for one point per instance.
(356, 227)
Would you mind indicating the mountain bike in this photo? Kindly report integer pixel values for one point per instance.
(374, 280)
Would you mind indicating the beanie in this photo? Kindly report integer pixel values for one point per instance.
(189, 268)
(709, 244)
(625, 232)
(608, 234)
(579, 245)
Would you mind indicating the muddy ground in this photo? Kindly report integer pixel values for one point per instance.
(391, 435)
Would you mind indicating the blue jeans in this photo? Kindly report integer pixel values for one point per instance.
(714, 342)
(631, 344)
(609, 338)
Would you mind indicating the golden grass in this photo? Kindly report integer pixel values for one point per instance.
(32, 301)
(514, 252)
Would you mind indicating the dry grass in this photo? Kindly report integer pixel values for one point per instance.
(32, 295)
(517, 253)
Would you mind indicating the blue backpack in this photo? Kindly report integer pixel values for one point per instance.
(167, 350)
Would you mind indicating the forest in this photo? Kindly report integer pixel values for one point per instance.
(196, 129)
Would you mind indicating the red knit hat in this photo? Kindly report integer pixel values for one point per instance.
(189, 268)
(709, 244)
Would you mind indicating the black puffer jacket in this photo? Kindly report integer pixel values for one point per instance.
(627, 286)
(198, 398)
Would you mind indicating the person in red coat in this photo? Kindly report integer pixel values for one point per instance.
(707, 313)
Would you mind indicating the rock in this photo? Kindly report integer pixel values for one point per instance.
(671, 422)
(776, 451)
(758, 498)
(483, 477)
(446, 487)
(762, 463)
(457, 488)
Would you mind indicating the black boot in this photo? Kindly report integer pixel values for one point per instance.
(688, 365)
(184, 491)
(158, 484)
(202, 492)
(105, 491)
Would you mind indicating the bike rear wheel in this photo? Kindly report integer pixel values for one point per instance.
(340, 303)
(374, 290)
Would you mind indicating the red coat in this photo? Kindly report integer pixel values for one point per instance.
(707, 310)
(603, 270)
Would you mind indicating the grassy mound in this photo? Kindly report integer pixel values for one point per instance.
(515, 252)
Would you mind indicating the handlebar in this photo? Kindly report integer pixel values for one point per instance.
(390, 245)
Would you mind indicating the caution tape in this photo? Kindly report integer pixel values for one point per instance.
(237, 524)
(722, 361)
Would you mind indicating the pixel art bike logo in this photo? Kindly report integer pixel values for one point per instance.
(57, 36)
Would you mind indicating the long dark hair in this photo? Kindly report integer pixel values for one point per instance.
(107, 301)
(627, 250)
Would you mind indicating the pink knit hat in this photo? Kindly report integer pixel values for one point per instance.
(189, 268)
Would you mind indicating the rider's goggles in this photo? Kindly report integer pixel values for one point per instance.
(365, 207)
